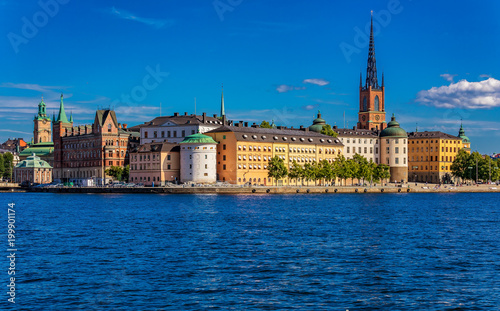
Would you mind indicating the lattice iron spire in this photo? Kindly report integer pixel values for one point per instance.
(371, 69)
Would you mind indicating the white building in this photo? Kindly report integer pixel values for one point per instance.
(174, 129)
(198, 157)
(359, 141)
(394, 150)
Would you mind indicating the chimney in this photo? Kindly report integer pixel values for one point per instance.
(176, 114)
(185, 113)
(224, 119)
(246, 124)
(307, 129)
(301, 127)
(215, 115)
(119, 125)
(334, 127)
(354, 128)
(125, 125)
(204, 115)
(238, 124)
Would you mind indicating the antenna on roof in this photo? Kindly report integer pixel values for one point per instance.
(195, 106)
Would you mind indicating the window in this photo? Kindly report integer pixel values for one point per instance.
(365, 105)
(145, 134)
(359, 149)
(168, 133)
(155, 134)
(223, 157)
(206, 166)
(376, 103)
(366, 149)
(397, 149)
(223, 147)
(224, 137)
(183, 133)
(371, 150)
(387, 150)
(168, 157)
(190, 156)
(397, 160)
(168, 166)
(175, 133)
(224, 167)
(190, 165)
(206, 157)
(192, 132)
(109, 128)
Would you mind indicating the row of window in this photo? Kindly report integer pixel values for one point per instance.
(365, 149)
(255, 148)
(148, 157)
(443, 149)
(437, 141)
(434, 158)
(396, 150)
(416, 168)
(169, 134)
(365, 141)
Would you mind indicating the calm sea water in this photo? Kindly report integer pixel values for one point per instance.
(272, 252)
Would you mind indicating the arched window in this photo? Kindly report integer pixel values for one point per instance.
(365, 105)
(376, 104)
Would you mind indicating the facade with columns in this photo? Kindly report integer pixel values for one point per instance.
(33, 170)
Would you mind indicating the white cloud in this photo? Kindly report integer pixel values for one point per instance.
(286, 88)
(320, 82)
(448, 77)
(463, 94)
(157, 23)
(484, 76)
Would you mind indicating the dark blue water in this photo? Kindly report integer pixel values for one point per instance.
(290, 252)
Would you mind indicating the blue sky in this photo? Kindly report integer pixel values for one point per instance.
(280, 60)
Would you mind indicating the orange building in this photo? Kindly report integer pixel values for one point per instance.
(243, 152)
(430, 155)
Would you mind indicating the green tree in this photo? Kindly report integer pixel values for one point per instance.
(296, 171)
(126, 173)
(382, 172)
(265, 125)
(115, 171)
(360, 167)
(8, 164)
(327, 170)
(277, 169)
(460, 166)
(327, 130)
(2, 167)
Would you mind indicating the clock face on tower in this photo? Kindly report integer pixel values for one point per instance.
(364, 118)
(44, 121)
(377, 118)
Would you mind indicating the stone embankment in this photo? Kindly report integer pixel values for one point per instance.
(411, 188)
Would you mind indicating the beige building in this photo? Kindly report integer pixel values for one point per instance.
(155, 164)
(393, 144)
(33, 170)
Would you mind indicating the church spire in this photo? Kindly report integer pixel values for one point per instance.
(222, 112)
(371, 69)
(62, 114)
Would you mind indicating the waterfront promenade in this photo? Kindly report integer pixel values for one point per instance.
(411, 187)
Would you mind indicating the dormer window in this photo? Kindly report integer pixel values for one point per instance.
(109, 128)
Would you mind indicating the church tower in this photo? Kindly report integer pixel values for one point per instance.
(42, 132)
(371, 95)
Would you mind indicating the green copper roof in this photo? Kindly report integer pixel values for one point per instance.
(40, 149)
(62, 114)
(393, 129)
(198, 139)
(33, 161)
(318, 123)
(42, 112)
(461, 134)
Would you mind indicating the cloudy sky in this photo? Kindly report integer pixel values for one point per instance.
(280, 60)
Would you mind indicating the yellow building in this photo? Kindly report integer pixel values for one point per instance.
(243, 152)
(430, 155)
